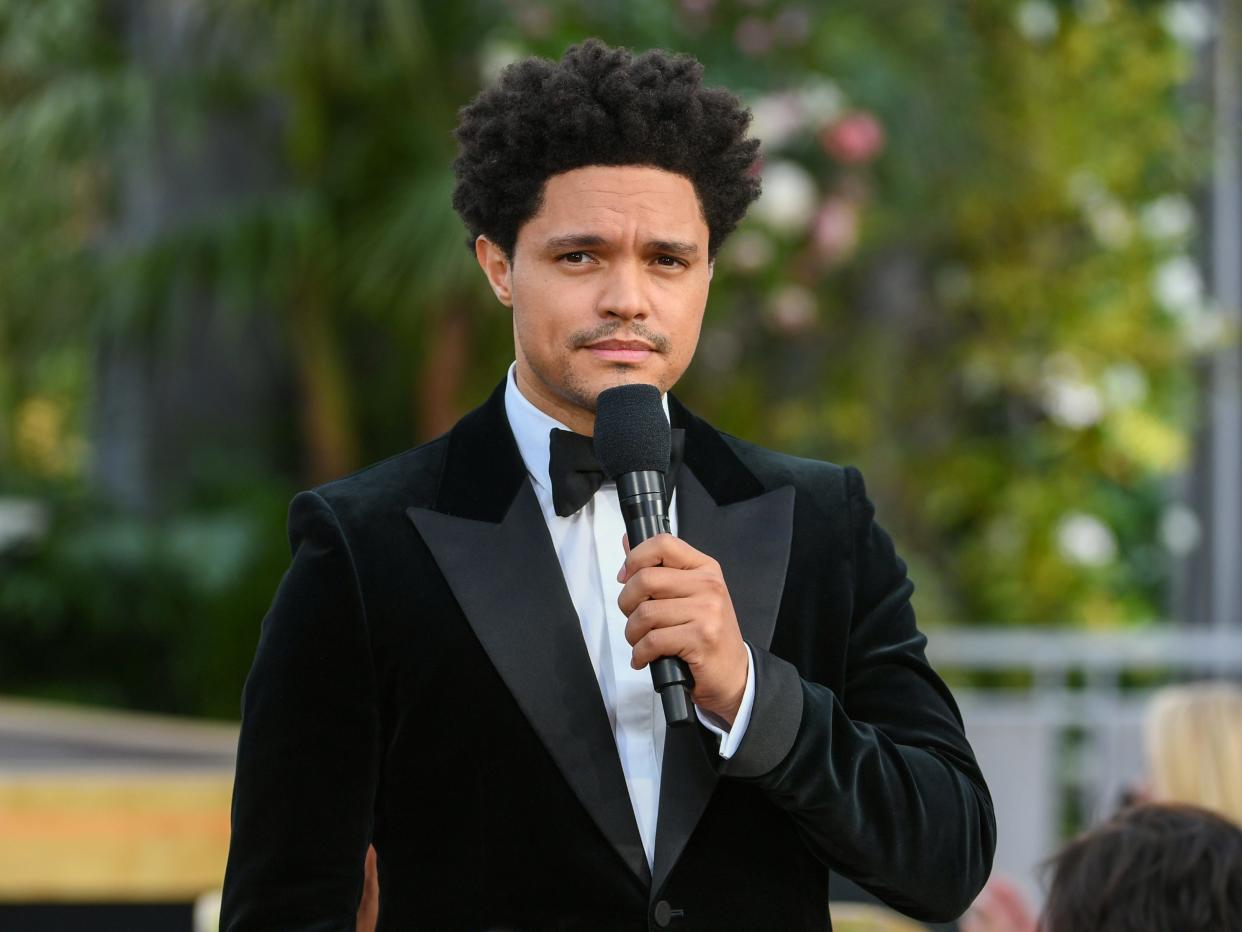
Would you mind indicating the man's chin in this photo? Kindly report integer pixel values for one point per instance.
(623, 375)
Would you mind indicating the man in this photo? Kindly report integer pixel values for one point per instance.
(453, 668)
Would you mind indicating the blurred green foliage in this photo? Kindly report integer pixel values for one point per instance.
(971, 274)
(117, 609)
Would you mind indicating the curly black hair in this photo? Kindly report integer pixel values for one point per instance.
(600, 106)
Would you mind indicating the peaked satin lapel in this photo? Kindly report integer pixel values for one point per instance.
(520, 610)
(751, 540)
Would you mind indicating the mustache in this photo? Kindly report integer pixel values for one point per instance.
(606, 331)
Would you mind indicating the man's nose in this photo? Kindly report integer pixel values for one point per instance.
(623, 294)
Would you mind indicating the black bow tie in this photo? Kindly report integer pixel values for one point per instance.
(576, 473)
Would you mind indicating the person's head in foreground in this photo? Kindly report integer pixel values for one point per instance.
(1194, 746)
(597, 190)
(1193, 741)
(1151, 868)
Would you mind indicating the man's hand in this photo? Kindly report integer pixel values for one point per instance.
(678, 606)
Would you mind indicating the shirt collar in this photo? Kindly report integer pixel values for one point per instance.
(531, 428)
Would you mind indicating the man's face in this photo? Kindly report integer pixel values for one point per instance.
(608, 284)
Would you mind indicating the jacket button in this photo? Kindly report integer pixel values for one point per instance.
(663, 914)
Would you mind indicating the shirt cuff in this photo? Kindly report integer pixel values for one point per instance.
(730, 738)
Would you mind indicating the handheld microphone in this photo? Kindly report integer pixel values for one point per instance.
(633, 445)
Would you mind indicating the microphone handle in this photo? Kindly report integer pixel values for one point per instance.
(645, 514)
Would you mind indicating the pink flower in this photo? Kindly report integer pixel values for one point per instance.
(792, 310)
(535, 20)
(792, 26)
(855, 138)
(836, 228)
(753, 36)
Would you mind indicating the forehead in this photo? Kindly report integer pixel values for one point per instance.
(616, 200)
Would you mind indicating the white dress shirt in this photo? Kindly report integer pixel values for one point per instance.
(588, 546)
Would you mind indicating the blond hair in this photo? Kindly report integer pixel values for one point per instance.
(1193, 735)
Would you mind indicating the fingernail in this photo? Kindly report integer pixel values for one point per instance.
(621, 573)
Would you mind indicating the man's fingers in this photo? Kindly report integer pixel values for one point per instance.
(658, 613)
(656, 643)
(656, 582)
(662, 550)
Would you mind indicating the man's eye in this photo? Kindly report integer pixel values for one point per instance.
(575, 258)
(669, 262)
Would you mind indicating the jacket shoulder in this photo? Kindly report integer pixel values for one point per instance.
(411, 477)
(826, 484)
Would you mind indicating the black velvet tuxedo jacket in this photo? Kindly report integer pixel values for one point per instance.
(421, 682)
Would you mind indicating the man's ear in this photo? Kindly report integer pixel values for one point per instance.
(497, 267)
(711, 268)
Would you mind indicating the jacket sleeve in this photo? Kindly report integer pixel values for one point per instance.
(880, 779)
(307, 758)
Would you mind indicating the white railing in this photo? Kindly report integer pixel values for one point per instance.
(1059, 748)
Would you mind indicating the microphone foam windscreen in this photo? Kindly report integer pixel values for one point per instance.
(631, 431)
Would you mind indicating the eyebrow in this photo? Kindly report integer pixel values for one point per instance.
(588, 240)
(676, 247)
(574, 241)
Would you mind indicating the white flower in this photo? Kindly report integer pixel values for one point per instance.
(1085, 539)
(789, 197)
(748, 251)
(495, 56)
(820, 102)
(21, 520)
(1076, 405)
(775, 119)
(1067, 396)
(1190, 23)
(1178, 286)
(1207, 329)
(1107, 217)
(1037, 20)
(1168, 217)
(1180, 531)
(1109, 222)
(1124, 385)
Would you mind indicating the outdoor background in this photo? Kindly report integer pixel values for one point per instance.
(992, 267)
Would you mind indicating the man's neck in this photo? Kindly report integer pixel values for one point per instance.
(577, 419)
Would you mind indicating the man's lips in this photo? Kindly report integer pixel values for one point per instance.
(621, 350)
